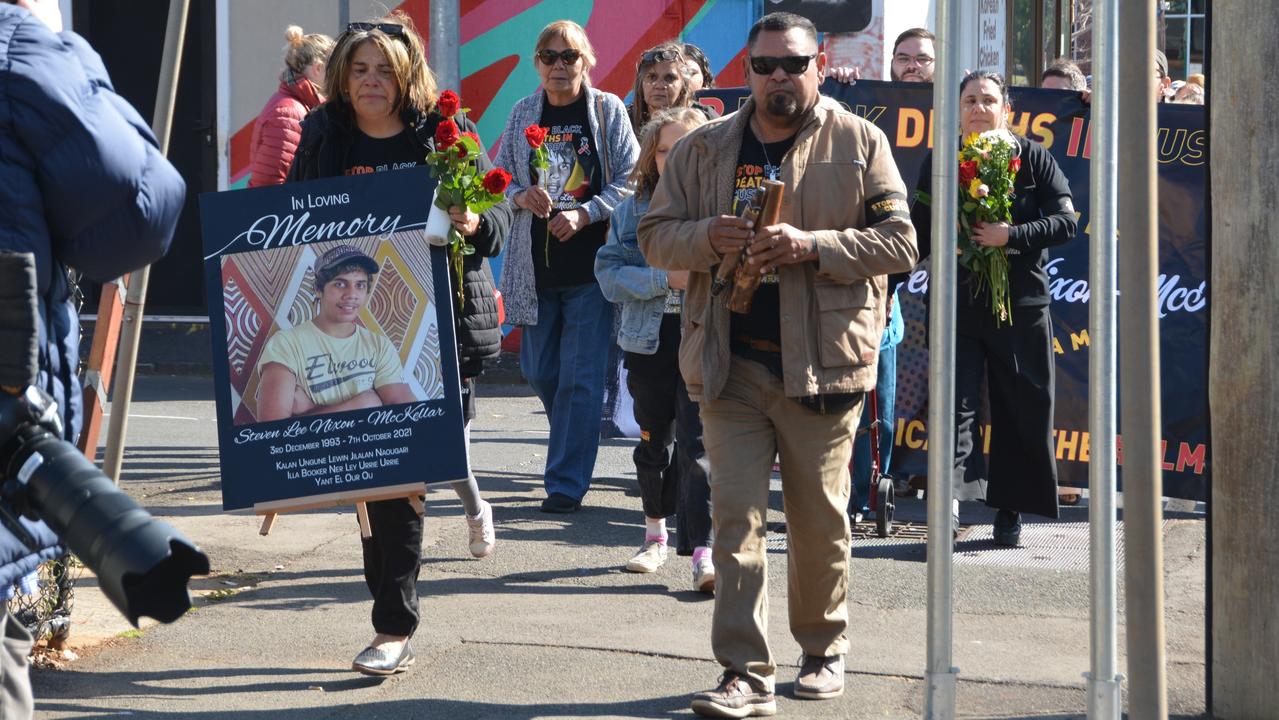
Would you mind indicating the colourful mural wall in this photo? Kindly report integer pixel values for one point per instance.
(497, 45)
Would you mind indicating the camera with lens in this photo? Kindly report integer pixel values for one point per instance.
(142, 564)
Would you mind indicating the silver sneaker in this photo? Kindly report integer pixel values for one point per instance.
(704, 576)
(479, 531)
(649, 558)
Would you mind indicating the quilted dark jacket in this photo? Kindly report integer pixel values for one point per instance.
(84, 187)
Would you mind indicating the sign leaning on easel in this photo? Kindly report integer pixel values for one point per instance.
(335, 363)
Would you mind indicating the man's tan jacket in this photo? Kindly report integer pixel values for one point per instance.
(832, 310)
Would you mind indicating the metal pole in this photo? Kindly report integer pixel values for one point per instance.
(941, 675)
(131, 330)
(445, 56)
(1139, 367)
(1104, 696)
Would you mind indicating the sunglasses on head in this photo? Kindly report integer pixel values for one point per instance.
(392, 29)
(793, 64)
(550, 57)
(656, 56)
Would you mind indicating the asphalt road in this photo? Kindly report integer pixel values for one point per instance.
(549, 626)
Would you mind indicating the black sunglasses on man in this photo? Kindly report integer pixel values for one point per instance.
(793, 64)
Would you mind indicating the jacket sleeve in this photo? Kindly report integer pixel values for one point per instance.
(1057, 223)
(302, 167)
(887, 244)
(110, 197)
(511, 152)
(670, 236)
(276, 144)
(620, 279)
(495, 223)
(623, 151)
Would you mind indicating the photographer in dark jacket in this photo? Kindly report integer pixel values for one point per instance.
(85, 187)
(381, 114)
(1016, 361)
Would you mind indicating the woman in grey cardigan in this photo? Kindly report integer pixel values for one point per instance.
(561, 217)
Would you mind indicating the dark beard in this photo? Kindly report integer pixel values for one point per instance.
(783, 107)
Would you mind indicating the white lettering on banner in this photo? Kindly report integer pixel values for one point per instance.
(274, 230)
(1172, 296)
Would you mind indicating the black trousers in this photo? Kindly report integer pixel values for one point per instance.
(1016, 364)
(393, 554)
(670, 460)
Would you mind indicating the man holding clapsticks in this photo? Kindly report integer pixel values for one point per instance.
(787, 377)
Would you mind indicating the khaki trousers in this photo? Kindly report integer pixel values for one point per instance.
(750, 422)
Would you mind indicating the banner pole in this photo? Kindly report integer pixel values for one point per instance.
(131, 332)
(1140, 419)
(941, 674)
(1104, 696)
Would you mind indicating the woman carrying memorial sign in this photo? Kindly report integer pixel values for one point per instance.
(1015, 204)
(384, 113)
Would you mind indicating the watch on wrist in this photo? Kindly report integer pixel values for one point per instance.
(812, 243)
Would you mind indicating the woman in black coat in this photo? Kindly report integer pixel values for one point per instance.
(1015, 361)
(381, 114)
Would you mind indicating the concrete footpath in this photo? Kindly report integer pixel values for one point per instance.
(549, 626)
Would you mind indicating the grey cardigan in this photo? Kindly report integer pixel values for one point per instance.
(518, 284)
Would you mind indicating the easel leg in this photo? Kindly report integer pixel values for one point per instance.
(362, 514)
(268, 522)
(418, 506)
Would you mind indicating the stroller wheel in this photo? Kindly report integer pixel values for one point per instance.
(886, 498)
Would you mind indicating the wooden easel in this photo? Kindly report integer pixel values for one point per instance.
(411, 491)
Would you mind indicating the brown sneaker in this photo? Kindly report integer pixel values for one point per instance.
(820, 678)
(734, 698)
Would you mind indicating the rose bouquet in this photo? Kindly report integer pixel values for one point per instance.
(988, 164)
(455, 164)
(535, 136)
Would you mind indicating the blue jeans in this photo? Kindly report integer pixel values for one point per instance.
(564, 357)
(886, 392)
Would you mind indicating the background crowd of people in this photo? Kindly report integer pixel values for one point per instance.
(617, 217)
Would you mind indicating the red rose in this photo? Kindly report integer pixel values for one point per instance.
(445, 135)
(967, 171)
(535, 136)
(448, 103)
(496, 180)
(1014, 165)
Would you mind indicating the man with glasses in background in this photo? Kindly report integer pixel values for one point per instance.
(913, 57)
(787, 378)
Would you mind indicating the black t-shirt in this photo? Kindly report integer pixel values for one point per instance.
(370, 154)
(666, 360)
(762, 325)
(575, 176)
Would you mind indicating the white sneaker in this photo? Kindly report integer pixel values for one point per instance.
(649, 558)
(479, 531)
(704, 576)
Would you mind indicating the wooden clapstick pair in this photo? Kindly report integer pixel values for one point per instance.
(764, 211)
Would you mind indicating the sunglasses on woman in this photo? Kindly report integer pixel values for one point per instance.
(550, 57)
(392, 29)
(793, 64)
(656, 56)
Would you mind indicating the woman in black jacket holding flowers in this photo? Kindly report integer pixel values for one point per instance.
(1014, 358)
(384, 112)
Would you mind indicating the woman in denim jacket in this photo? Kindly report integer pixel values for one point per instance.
(670, 461)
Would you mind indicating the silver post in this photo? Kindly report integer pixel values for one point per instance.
(1104, 697)
(131, 329)
(1139, 369)
(445, 56)
(941, 675)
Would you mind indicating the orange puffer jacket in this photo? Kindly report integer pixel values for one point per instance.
(278, 129)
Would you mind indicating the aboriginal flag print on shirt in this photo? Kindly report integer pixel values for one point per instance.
(573, 178)
(332, 370)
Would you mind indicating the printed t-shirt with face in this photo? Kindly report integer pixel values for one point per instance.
(574, 177)
(755, 162)
(370, 154)
(331, 369)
